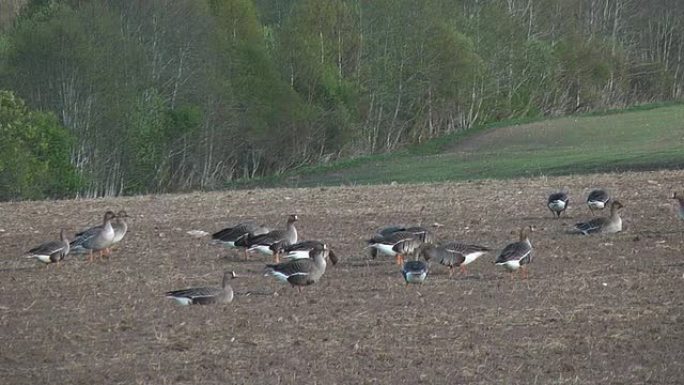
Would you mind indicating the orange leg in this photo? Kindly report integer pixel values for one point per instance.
(463, 269)
(400, 260)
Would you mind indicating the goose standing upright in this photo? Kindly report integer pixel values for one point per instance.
(205, 295)
(96, 238)
(607, 225)
(301, 272)
(453, 254)
(518, 254)
(557, 203)
(53, 251)
(262, 243)
(230, 235)
(597, 200)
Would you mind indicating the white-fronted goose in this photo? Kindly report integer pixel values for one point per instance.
(557, 203)
(205, 295)
(423, 234)
(262, 243)
(397, 244)
(518, 254)
(301, 250)
(608, 225)
(597, 200)
(680, 205)
(453, 254)
(230, 235)
(414, 271)
(53, 251)
(96, 238)
(301, 272)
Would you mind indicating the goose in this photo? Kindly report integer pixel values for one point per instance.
(301, 272)
(680, 205)
(453, 254)
(205, 295)
(52, 251)
(96, 238)
(423, 234)
(518, 254)
(120, 226)
(230, 235)
(597, 200)
(262, 243)
(414, 271)
(300, 250)
(557, 203)
(397, 244)
(608, 225)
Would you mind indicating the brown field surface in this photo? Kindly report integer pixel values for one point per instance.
(595, 310)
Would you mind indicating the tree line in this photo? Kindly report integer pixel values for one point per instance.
(110, 97)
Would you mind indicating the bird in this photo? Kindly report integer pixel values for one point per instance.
(517, 255)
(301, 272)
(120, 226)
(680, 205)
(557, 203)
(597, 200)
(205, 295)
(97, 238)
(52, 251)
(414, 271)
(300, 250)
(607, 225)
(453, 254)
(262, 243)
(423, 234)
(397, 244)
(230, 235)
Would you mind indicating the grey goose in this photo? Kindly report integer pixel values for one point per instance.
(52, 251)
(607, 225)
(205, 295)
(97, 238)
(229, 236)
(414, 271)
(597, 200)
(517, 255)
(397, 244)
(557, 203)
(301, 250)
(453, 254)
(262, 243)
(300, 272)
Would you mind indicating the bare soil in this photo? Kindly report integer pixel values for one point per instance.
(595, 310)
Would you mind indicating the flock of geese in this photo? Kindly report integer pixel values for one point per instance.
(302, 263)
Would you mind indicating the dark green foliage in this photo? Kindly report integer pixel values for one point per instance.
(34, 153)
(169, 95)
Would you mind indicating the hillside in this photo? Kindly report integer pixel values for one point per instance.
(647, 139)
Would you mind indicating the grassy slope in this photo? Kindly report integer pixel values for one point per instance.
(633, 140)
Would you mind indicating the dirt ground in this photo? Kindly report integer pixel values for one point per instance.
(595, 310)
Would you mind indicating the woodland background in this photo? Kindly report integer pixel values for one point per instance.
(112, 97)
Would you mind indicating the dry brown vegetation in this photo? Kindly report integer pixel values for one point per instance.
(596, 310)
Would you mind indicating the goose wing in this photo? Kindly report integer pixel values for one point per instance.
(514, 252)
(592, 226)
(49, 248)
